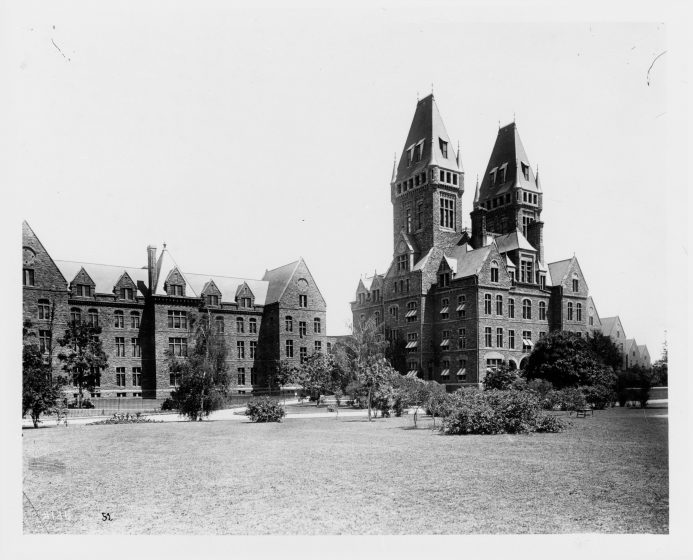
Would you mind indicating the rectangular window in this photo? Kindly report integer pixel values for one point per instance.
(526, 341)
(252, 325)
(126, 293)
(137, 377)
(83, 290)
(445, 307)
(289, 349)
(511, 339)
(119, 320)
(461, 307)
(240, 325)
(241, 376)
(488, 335)
(303, 353)
(317, 325)
(212, 299)
(447, 211)
(175, 290)
(177, 320)
(120, 376)
(136, 348)
(526, 272)
(443, 147)
(317, 347)
(44, 340)
(28, 277)
(120, 346)
(462, 336)
(576, 285)
(499, 337)
(402, 263)
(303, 300)
(174, 379)
(499, 305)
(253, 348)
(134, 321)
(240, 350)
(511, 308)
(178, 346)
(302, 328)
(44, 309)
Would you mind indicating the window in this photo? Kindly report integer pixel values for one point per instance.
(542, 281)
(82, 290)
(289, 323)
(461, 307)
(376, 295)
(178, 346)
(444, 279)
(212, 299)
(219, 325)
(462, 338)
(253, 349)
(120, 376)
(119, 320)
(511, 339)
(570, 311)
(301, 329)
(303, 353)
(445, 344)
(75, 315)
(253, 376)
(137, 377)
(408, 220)
(461, 369)
(136, 348)
(591, 316)
(447, 211)
(402, 263)
(412, 342)
(419, 216)
(543, 334)
(525, 170)
(493, 363)
(44, 341)
(443, 147)
(526, 341)
(494, 271)
(329, 346)
(174, 379)
(177, 320)
(499, 305)
(240, 349)
(303, 300)
(487, 304)
(526, 271)
(134, 320)
(578, 312)
(127, 293)
(576, 284)
(175, 290)
(542, 311)
(93, 317)
(445, 368)
(376, 316)
(44, 309)
(445, 307)
(252, 325)
(407, 285)
(488, 335)
(120, 346)
(526, 309)
(245, 302)
(511, 308)
(28, 277)
(240, 325)
(289, 348)
(241, 376)
(411, 312)
(499, 337)
(317, 325)
(394, 313)
(317, 346)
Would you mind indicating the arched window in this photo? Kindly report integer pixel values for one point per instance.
(44, 309)
(219, 325)
(570, 311)
(526, 309)
(119, 320)
(75, 315)
(578, 312)
(252, 325)
(499, 305)
(93, 317)
(494, 271)
(134, 320)
(289, 323)
(511, 308)
(240, 325)
(487, 304)
(542, 311)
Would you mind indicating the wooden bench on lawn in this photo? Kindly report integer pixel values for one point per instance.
(582, 412)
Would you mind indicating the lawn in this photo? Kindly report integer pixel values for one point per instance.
(607, 473)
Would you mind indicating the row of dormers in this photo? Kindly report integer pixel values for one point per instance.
(439, 175)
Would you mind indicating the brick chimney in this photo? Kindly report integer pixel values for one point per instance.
(478, 227)
(151, 267)
(535, 236)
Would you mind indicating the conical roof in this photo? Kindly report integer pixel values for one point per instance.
(427, 141)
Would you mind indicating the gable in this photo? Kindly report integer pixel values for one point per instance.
(47, 274)
(301, 282)
(82, 277)
(210, 288)
(174, 278)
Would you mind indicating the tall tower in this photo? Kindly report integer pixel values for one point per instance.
(427, 185)
(509, 192)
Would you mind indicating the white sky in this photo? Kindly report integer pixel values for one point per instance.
(245, 139)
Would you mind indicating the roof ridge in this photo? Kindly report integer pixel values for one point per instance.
(283, 265)
(212, 276)
(99, 264)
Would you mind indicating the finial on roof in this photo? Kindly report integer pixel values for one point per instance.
(417, 96)
(498, 124)
(513, 117)
(394, 168)
(457, 159)
(536, 178)
(164, 244)
(476, 193)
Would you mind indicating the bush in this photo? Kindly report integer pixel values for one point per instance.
(551, 424)
(540, 386)
(471, 413)
(598, 396)
(168, 404)
(569, 398)
(264, 409)
(518, 411)
(501, 378)
(86, 403)
(126, 418)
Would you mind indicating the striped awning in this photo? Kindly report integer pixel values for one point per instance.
(444, 310)
(445, 373)
(445, 343)
(413, 372)
(411, 313)
(412, 344)
(527, 342)
(461, 306)
(461, 372)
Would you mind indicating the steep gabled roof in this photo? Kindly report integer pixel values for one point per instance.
(278, 280)
(508, 153)
(512, 241)
(609, 324)
(642, 348)
(469, 262)
(227, 285)
(558, 271)
(423, 261)
(427, 128)
(104, 276)
(164, 266)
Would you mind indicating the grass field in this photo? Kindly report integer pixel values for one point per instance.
(607, 473)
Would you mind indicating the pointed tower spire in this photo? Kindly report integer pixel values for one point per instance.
(536, 181)
(394, 169)
(476, 193)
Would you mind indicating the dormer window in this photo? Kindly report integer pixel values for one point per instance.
(127, 293)
(501, 173)
(443, 147)
(402, 263)
(419, 151)
(444, 279)
(492, 174)
(175, 290)
(525, 170)
(410, 156)
(83, 290)
(212, 299)
(494, 271)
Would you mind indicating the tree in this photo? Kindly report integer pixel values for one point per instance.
(660, 368)
(605, 349)
(203, 374)
(40, 393)
(501, 377)
(83, 357)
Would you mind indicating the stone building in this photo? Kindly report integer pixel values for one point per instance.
(455, 302)
(148, 312)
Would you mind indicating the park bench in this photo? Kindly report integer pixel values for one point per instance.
(582, 412)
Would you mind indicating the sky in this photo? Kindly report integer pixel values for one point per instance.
(244, 139)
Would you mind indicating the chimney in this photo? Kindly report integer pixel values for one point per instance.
(535, 236)
(478, 227)
(151, 267)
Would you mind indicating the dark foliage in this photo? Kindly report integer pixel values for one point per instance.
(605, 349)
(264, 409)
(501, 378)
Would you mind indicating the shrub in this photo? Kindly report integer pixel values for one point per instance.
(551, 424)
(540, 386)
(598, 396)
(264, 409)
(517, 411)
(501, 378)
(168, 404)
(125, 418)
(471, 413)
(569, 398)
(86, 403)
